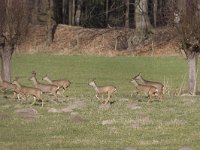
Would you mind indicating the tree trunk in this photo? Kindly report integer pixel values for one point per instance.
(182, 6)
(70, 12)
(6, 54)
(127, 14)
(107, 10)
(78, 12)
(192, 74)
(142, 23)
(35, 12)
(155, 10)
(73, 12)
(64, 11)
(50, 23)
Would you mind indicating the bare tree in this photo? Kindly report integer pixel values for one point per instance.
(188, 24)
(15, 16)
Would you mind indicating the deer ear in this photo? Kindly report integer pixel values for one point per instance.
(33, 73)
(94, 79)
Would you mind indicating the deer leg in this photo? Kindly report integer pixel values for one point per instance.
(42, 102)
(160, 95)
(34, 98)
(108, 98)
(18, 97)
(63, 91)
(56, 96)
(14, 95)
(97, 96)
(149, 96)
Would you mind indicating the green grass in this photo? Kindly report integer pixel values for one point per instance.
(167, 125)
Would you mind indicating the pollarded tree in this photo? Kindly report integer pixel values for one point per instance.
(187, 19)
(15, 16)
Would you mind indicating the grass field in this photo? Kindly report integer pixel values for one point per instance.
(127, 122)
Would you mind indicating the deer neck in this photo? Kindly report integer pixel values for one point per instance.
(35, 82)
(96, 88)
(142, 80)
(18, 85)
(135, 83)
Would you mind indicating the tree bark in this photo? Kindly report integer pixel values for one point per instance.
(192, 73)
(78, 12)
(182, 6)
(35, 12)
(64, 11)
(73, 12)
(70, 12)
(155, 11)
(6, 55)
(127, 14)
(142, 23)
(107, 11)
(50, 23)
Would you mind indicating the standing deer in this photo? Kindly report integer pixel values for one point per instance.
(28, 91)
(158, 85)
(46, 88)
(146, 89)
(64, 84)
(109, 90)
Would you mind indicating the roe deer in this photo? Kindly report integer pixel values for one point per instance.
(5, 85)
(46, 88)
(28, 91)
(158, 85)
(64, 84)
(146, 89)
(103, 90)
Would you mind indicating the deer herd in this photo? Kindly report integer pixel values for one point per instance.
(54, 87)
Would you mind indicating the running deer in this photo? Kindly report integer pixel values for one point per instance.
(146, 89)
(158, 85)
(109, 90)
(28, 91)
(64, 84)
(5, 85)
(46, 88)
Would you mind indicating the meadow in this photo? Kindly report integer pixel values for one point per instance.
(128, 122)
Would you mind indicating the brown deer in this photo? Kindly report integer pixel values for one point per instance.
(146, 89)
(109, 90)
(28, 91)
(157, 85)
(46, 88)
(64, 84)
(5, 85)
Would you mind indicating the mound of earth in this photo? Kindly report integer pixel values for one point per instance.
(110, 42)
